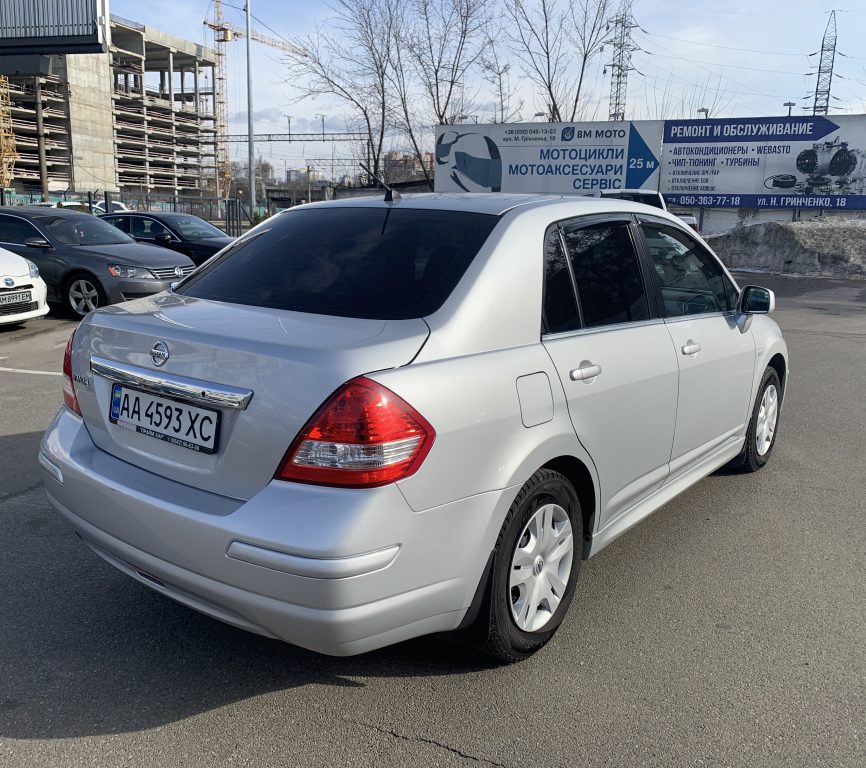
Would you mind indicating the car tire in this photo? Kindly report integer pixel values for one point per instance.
(763, 425)
(535, 566)
(82, 293)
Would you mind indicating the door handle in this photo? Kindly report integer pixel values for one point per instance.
(585, 372)
(691, 347)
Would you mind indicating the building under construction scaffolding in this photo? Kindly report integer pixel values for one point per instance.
(139, 118)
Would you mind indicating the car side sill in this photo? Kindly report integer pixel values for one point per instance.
(663, 495)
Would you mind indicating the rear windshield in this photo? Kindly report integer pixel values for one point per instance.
(384, 263)
(647, 198)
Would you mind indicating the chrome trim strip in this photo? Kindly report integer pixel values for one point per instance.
(602, 329)
(194, 390)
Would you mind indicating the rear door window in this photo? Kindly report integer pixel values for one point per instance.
(15, 230)
(560, 304)
(607, 272)
(121, 222)
(386, 263)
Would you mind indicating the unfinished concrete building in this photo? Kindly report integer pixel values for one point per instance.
(138, 119)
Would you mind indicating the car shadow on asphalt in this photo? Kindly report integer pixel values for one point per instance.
(84, 650)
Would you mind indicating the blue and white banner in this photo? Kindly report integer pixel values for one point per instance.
(766, 162)
(749, 162)
(557, 158)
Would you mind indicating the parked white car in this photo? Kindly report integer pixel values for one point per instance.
(367, 420)
(22, 292)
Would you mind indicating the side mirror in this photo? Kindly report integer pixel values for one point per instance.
(163, 238)
(37, 242)
(755, 300)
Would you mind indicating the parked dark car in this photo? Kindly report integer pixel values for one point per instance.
(182, 232)
(85, 262)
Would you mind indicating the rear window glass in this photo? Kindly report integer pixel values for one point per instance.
(650, 198)
(383, 263)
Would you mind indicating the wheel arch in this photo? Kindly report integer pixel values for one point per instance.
(779, 365)
(578, 474)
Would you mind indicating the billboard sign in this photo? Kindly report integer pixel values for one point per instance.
(766, 162)
(555, 158)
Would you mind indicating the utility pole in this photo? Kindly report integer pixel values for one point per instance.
(251, 144)
(323, 124)
(289, 121)
(825, 68)
(789, 105)
(623, 24)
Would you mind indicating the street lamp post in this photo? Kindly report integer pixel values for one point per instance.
(705, 111)
(323, 124)
(251, 145)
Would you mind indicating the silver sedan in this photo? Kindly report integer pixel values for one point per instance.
(367, 421)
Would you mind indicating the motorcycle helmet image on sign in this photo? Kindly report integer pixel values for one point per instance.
(473, 161)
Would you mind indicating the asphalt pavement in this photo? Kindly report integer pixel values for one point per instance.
(729, 629)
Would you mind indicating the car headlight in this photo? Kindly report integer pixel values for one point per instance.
(34, 270)
(122, 270)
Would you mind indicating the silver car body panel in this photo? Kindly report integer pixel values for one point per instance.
(348, 570)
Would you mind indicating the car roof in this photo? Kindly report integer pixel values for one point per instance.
(484, 202)
(41, 212)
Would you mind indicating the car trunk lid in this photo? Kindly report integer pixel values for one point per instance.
(288, 363)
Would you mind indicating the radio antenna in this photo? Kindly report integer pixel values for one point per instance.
(390, 194)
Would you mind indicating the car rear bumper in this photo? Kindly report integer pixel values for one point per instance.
(333, 570)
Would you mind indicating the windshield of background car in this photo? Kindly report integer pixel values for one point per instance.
(83, 230)
(382, 263)
(193, 228)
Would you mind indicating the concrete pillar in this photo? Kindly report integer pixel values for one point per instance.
(40, 140)
(171, 79)
(196, 87)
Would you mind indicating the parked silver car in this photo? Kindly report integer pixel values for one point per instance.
(367, 421)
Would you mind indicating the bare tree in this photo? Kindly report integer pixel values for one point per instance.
(589, 34)
(498, 74)
(540, 34)
(407, 119)
(351, 62)
(445, 41)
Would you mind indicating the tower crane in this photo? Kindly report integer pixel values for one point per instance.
(225, 32)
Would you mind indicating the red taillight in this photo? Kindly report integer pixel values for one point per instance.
(363, 436)
(68, 387)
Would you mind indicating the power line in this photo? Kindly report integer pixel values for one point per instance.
(705, 8)
(702, 44)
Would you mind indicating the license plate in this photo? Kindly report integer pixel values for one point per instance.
(15, 298)
(175, 422)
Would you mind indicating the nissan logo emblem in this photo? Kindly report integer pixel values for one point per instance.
(159, 353)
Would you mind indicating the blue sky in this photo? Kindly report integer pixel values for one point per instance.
(738, 57)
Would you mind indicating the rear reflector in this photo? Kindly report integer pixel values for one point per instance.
(363, 436)
(69, 396)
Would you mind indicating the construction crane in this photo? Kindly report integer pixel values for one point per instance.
(7, 138)
(225, 32)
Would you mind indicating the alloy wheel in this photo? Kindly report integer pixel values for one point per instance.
(83, 296)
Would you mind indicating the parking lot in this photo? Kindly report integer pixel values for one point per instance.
(727, 630)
